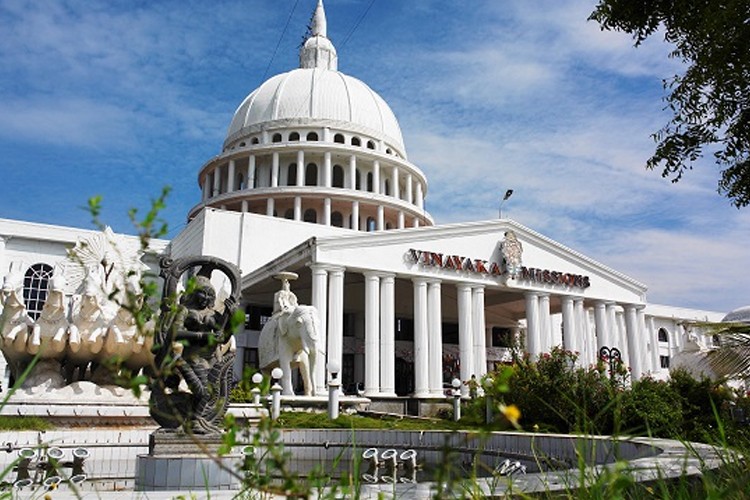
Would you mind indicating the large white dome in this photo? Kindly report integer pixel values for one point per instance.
(315, 94)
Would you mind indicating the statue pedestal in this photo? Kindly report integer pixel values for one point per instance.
(180, 462)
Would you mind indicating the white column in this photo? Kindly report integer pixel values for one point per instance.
(401, 221)
(395, 188)
(654, 336)
(352, 172)
(545, 323)
(336, 316)
(206, 187)
(355, 215)
(327, 211)
(376, 177)
(381, 218)
(416, 222)
(421, 339)
(435, 311)
(300, 168)
(372, 334)
(230, 177)
(478, 329)
(243, 206)
(420, 196)
(3, 264)
(633, 341)
(409, 193)
(270, 207)
(251, 172)
(320, 302)
(647, 365)
(327, 169)
(275, 170)
(465, 335)
(217, 181)
(622, 337)
(297, 208)
(612, 329)
(582, 331)
(569, 323)
(533, 333)
(600, 323)
(387, 335)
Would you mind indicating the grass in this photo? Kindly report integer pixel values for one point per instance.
(12, 423)
(303, 420)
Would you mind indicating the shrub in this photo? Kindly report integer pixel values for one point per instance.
(653, 408)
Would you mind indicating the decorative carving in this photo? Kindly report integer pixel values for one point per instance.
(193, 345)
(290, 338)
(15, 323)
(512, 251)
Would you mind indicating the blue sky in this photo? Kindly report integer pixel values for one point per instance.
(118, 98)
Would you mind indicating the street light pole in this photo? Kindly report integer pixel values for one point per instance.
(508, 194)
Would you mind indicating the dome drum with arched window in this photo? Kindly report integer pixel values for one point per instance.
(315, 138)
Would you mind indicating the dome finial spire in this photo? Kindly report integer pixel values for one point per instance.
(318, 51)
(319, 25)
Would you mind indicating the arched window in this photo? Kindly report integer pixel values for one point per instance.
(388, 151)
(387, 188)
(240, 181)
(338, 176)
(294, 136)
(276, 138)
(242, 144)
(370, 145)
(369, 181)
(254, 140)
(663, 335)
(357, 180)
(289, 214)
(310, 215)
(371, 226)
(35, 287)
(291, 175)
(356, 141)
(337, 219)
(339, 138)
(312, 136)
(311, 175)
(388, 225)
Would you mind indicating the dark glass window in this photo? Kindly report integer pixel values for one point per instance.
(663, 335)
(404, 329)
(502, 337)
(257, 316)
(35, 287)
(664, 360)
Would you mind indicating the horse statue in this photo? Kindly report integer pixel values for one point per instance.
(291, 338)
(15, 323)
(192, 344)
(87, 332)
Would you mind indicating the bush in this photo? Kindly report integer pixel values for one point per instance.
(652, 407)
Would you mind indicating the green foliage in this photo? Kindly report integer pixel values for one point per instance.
(710, 102)
(652, 407)
(23, 423)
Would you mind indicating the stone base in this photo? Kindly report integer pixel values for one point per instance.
(186, 473)
(181, 462)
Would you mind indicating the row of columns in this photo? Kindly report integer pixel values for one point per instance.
(623, 327)
(380, 318)
(413, 191)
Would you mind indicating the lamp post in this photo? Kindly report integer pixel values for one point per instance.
(488, 416)
(508, 194)
(255, 391)
(276, 375)
(613, 357)
(456, 399)
(333, 390)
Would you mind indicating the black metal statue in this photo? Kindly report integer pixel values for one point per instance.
(192, 344)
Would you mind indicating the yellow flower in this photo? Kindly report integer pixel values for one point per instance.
(512, 413)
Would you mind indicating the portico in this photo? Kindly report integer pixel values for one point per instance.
(427, 304)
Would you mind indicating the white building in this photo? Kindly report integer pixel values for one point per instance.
(314, 178)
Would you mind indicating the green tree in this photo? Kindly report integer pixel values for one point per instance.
(710, 102)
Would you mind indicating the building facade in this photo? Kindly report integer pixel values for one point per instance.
(314, 178)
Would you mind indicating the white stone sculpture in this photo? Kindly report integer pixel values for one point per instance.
(15, 323)
(87, 331)
(291, 338)
(49, 335)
